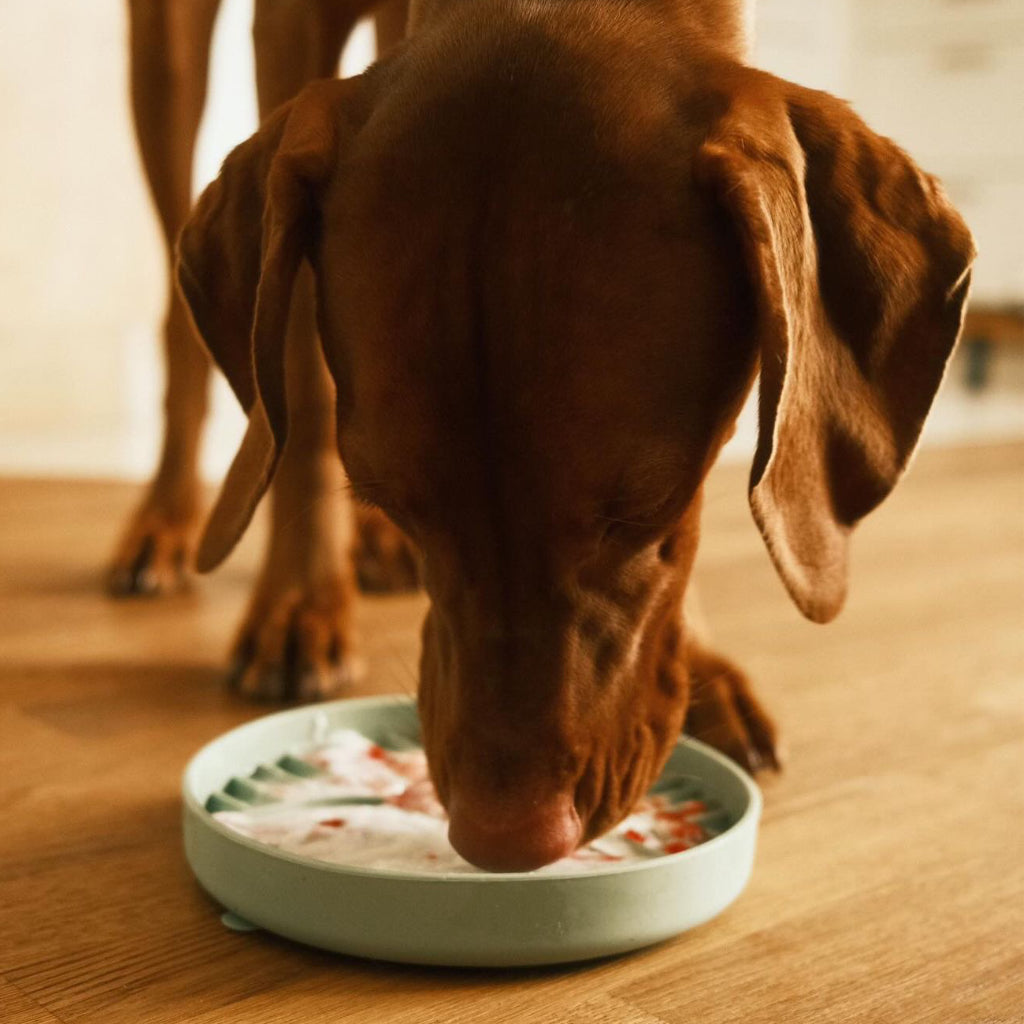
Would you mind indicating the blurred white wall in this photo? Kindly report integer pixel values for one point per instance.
(945, 78)
(79, 256)
(806, 41)
(82, 273)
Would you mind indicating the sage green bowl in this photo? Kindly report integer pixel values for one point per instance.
(470, 920)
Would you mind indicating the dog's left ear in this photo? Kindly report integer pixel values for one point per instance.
(238, 257)
(861, 269)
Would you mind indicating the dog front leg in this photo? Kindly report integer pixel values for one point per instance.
(723, 711)
(295, 641)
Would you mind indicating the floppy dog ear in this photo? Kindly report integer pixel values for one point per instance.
(238, 257)
(861, 271)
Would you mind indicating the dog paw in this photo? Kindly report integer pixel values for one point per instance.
(384, 559)
(155, 552)
(725, 714)
(295, 643)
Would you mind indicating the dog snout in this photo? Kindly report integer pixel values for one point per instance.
(506, 836)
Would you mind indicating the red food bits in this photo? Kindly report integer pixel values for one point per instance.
(691, 809)
(635, 837)
(333, 822)
(677, 846)
(419, 796)
(689, 832)
(377, 753)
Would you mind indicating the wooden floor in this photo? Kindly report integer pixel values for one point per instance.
(889, 885)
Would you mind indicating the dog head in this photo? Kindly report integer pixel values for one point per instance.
(545, 282)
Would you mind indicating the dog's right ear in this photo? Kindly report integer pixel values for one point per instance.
(238, 257)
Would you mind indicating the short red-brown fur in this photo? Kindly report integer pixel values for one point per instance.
(552, 243)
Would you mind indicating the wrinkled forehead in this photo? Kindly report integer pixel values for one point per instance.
(557, 374)
(525, 307)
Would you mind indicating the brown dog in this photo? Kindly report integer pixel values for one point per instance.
(551, 244)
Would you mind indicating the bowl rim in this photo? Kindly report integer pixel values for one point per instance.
(193, 806)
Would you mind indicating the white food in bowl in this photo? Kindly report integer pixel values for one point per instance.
(407, 830)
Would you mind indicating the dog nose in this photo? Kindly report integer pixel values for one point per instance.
(503, 838)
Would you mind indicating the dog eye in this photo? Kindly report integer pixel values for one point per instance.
(636, 525)
(614, 528)
(371, 498)
(363, 501)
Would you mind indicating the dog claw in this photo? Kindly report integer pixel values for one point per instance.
(141, 582)
(274, 683)
(314, 684)
(145, 582)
